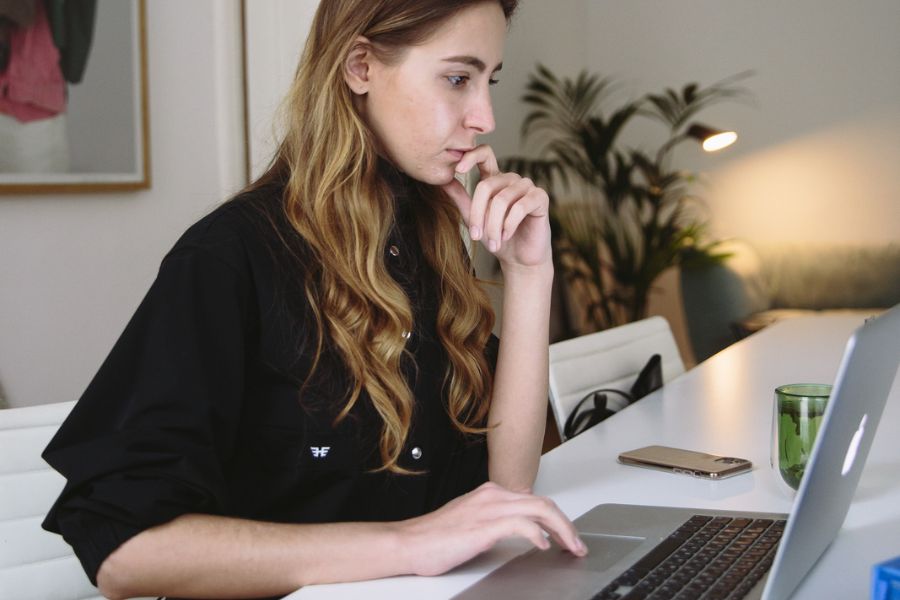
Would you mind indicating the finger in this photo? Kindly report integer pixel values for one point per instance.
(492, 503)
(481, 156)
(545, 512)
(574, 545)
(520, 527)
(457, 192)
(562, 529)
(534, 204)
(495, 504)
(500, 204)
(556, 539)
(484, 191)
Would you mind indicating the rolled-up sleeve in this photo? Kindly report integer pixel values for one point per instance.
(149, 438)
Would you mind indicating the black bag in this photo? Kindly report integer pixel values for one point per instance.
(580, 419)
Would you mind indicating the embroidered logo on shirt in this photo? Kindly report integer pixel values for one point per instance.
(319, 451)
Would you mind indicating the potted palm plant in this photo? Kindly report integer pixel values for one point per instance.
(621, 216)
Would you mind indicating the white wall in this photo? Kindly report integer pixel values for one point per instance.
(550, 32)
(74, 267)
(815, 151)
(276, 33)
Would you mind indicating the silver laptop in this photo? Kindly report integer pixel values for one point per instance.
(631, 545)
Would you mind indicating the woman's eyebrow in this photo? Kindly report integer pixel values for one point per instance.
(472, 61)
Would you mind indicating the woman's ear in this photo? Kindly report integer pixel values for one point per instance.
(357, 66)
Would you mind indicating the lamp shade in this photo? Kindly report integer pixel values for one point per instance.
(711, 139)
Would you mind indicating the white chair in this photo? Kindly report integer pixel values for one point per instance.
(34, 564)
(608, 359)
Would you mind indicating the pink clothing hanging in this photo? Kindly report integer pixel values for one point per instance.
(32, 87)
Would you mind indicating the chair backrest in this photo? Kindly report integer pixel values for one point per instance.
(34, 564)
(610, 359)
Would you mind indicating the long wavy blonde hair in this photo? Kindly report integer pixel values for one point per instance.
(343, 209)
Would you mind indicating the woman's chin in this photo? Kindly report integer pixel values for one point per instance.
(437, 175)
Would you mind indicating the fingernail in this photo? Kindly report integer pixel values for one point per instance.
(492, 245)
(474, 232)
(582, 546)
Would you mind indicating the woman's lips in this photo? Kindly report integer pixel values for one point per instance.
(458, 153)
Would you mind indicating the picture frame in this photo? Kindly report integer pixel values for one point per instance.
(104, 128)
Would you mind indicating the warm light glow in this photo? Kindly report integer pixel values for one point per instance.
(719, 141)
(830, 186)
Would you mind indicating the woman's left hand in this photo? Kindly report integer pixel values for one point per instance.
(507, 212)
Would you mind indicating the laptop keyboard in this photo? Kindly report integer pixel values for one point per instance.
(708, 558)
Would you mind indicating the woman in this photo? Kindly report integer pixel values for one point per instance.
(306, 394)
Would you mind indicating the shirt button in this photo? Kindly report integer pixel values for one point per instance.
(394, 251)
(417, 453)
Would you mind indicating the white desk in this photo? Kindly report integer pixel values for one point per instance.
(721, 406)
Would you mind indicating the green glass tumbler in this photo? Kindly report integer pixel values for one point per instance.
(797, 416)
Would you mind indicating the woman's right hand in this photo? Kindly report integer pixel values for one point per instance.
(471, 524)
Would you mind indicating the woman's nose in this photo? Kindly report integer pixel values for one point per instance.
(480, 114)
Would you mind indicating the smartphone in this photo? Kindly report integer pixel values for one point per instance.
(686, 462)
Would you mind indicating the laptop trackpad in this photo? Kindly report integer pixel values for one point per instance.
(603, 552)
(555, 573)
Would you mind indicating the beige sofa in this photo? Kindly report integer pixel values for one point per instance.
(763, 283)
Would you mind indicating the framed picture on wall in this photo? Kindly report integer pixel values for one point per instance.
(73, 96)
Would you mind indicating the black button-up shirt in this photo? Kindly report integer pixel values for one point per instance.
(204, 404)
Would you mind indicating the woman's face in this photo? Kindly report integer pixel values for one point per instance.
(427, 109)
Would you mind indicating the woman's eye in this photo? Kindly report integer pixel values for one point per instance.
(493, 81)
(457, 80)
